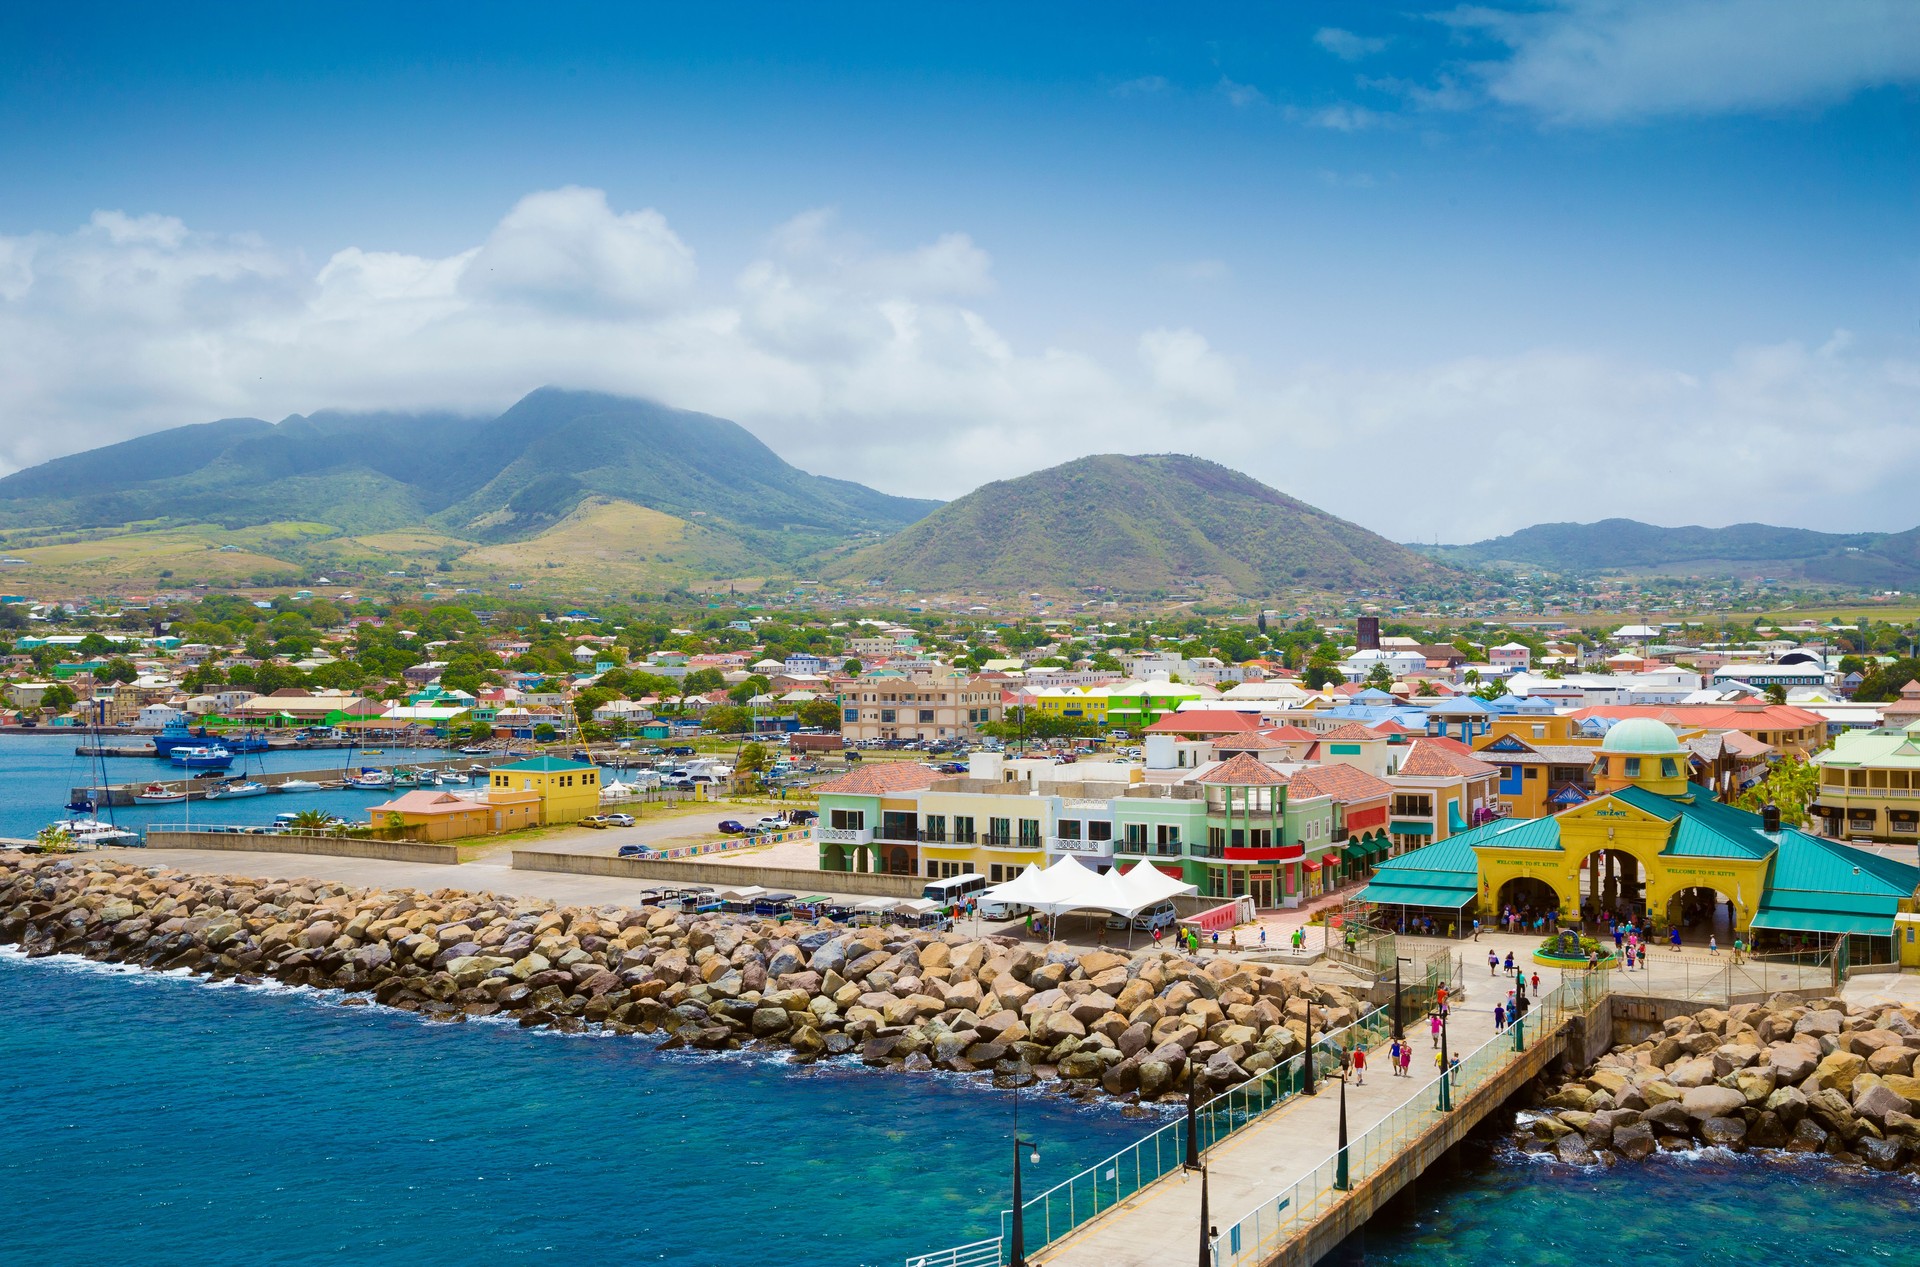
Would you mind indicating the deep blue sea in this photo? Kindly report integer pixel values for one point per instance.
(158, 1120)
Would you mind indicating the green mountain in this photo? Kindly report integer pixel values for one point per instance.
(1136, 524)
(554, 455)
(1854, 559)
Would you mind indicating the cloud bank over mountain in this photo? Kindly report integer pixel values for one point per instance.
(883, 364)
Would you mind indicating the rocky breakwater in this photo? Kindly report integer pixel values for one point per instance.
(1791, 1075)
(1100, 1023)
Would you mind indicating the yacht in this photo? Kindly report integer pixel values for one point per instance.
(369, 778)
(234, 789)
(297, 785)
(158, 794)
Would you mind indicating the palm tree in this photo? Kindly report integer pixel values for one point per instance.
(312, 820)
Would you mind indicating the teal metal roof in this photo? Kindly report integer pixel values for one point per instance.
(1412, 895)
(1452, 857)
(1516, 833)
(1665, 808)
(1795, 921)
(545, 765)
(1811, 864)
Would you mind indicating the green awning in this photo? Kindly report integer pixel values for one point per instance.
(1410, 895)
(1835, 922)
(1357, 851)
(1381, 847)
(1413, 829)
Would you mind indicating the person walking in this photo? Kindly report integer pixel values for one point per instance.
(1499, 1019)
(1536, 984)
(1713, 944)
(1509, 964)
(1433, 1027)
(1493, 963)
(1406, 1060)
(1360, 1066)
(1440, 1000)
(1263, 936)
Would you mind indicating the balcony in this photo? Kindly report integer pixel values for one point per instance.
(843, 835)
(992, 841)
(1172, 850)
(1082, 848)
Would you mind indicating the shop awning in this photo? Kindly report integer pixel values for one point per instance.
(1413, 829)
(1410, 895)
(1832, 922)
(1357, 851)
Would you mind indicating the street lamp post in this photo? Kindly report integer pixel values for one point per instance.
(1519, 1007)
(1019, 1238)
(1446, 1071)
(1342, 1177)
(1306, 1069)
(1206, 1228)
(1399, 1021)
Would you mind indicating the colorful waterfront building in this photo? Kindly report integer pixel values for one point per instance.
(1870, 786)
(1651, 844)
(869, 818)
(1546, 763)
(568, 790)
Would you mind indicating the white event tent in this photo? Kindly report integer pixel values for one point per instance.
(1068, 885)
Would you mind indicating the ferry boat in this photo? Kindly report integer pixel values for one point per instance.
(158, 794)
(234, 789)
(202, 758)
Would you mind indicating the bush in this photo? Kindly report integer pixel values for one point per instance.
(1557, 946)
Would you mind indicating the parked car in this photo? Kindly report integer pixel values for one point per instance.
(593, 820)
(952, 767)
(733, 827)
(633, 851)
(771, 822)
(990, 909)
(802, 815)
(617, 820)
(1159, 915)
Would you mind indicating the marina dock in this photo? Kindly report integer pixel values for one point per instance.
(122, 794)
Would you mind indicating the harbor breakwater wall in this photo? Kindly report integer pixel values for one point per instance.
(1099, 1023)
(292, 842)
(1793, 1074)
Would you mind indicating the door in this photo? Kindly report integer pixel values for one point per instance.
(1263, 893)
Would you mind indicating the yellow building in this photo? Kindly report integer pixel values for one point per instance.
(1085, 706)
(1651, 846)
(568, 790)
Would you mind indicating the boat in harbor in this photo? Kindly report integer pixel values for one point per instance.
(451, 778)
(212, 757)
(370, 779)
(475, 750)
(177, 734)
(92, 833)
(234, 789)
(298, 785)
(159, 794)
(251, 741)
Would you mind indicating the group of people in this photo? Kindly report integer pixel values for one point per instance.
(1520, 919)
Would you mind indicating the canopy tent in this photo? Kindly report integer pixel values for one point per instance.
(1068, 885)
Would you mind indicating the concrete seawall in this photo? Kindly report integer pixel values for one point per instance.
(332, 846)
(722, 874)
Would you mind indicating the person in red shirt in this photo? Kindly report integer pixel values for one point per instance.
(1359, 1066)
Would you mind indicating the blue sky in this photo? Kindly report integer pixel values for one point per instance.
(1444, 270)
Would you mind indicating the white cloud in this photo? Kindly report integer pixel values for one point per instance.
(873, 364)
(1345, 45)
(1602, 61)
(1144, 86)
(566, 248)
(1241, 95)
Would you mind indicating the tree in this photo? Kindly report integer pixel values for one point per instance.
(820, 714)
(1317, 676)
(700, 681)
(313, 820)
(729, 719)
(479, 733)
(1884, 683)
(57, 699)
(1380, 678)
(1791, 784)
(851, 668)
(753, 758)
(545, 733)
(116, 670)
(741, 692)
(1776, 693)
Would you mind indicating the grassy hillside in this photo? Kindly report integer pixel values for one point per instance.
(1627, 545)
(427, 489)
(1136, 524)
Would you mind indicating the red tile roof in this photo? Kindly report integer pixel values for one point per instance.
(1443, 759)
(1244, 770)
(882, 778)
(1258, 741)
(1352, 730)
(1344, 783)
(1205, 721)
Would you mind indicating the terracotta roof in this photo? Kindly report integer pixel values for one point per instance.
(1343, 783)
(1258, 741)
(1291, 732)
(1244, 770)
(880, 778)
(425, 803)
(1352, 730)
(1205, 721)
(1389, 729)
(1443, 759)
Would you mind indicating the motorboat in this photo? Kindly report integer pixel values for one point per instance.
(158, 794)
(451, 778)
(298, 785)
(475, 750)
(212, 757)
(369, 778)
(234, 789)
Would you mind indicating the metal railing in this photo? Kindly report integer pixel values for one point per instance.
(985, 1253)
(1258, 1235)
(1065, 1206)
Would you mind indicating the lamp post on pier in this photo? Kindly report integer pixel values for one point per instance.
(1342, 1178)
(1399, 1022)
(1018, 1241)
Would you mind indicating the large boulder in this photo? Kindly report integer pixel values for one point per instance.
(1878, 1102)
(1836, 1071)
(1635, 1142)
(1723, 1132)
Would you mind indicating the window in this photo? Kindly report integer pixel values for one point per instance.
(993, 873)
(962, 829)
(1030, 833)
(926, 714)
(1533, 771)
(1669, 769)
(852, 714)
(1137, 835)
(999, 831)
(1633, 767)
(1099, 831)
(933, 871)
(1539, 732)
(886, 714)
(1216, 838)
(1168, 835)
(936, 827)
(848, 819)
(1069, 829)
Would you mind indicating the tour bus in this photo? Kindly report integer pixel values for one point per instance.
(955, 888)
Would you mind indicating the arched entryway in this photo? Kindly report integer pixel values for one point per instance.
(833, 857)
(1527, 897)
(898, 862)
(1613, 880)
(1699, 913)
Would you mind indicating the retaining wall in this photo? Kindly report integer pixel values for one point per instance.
(723, 874)
(331, 846)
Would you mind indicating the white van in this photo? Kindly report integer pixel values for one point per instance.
(1159, 915)
(991, 909)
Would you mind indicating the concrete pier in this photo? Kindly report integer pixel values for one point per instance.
(122, 794)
